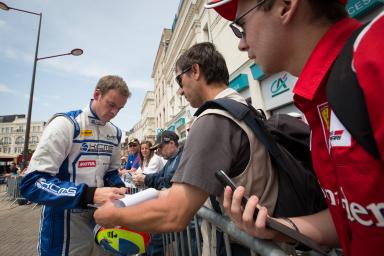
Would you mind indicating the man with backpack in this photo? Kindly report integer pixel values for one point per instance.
(216, 141)
(333, 56)
(76, 164)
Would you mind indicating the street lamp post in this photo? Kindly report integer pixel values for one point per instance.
(74, 52)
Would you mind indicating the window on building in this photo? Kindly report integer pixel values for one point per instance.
(206, 33)
(19, 140)
(5, 141)
(34, 140)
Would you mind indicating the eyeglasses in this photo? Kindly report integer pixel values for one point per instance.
(235, 25)
(178, 77)
(132, 145)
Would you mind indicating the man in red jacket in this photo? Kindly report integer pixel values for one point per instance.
(304, 37)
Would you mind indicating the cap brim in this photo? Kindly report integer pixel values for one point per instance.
(154, 147)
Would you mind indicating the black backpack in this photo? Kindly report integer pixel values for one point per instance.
(287, 140)
(347, 100)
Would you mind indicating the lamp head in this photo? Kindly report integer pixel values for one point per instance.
(77, 52)
(4, 7)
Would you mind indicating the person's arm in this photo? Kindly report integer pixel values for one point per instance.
(138, 179)
(172, 211)
(151, 180)
(318, 227)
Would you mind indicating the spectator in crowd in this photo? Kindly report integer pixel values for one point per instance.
(167, 144)
(23, 172)
(202, 76)
(313, 33)
(149, 161)
(133, 161)
(75, 164)
(14, 169)
(123, 162)
(11, 170)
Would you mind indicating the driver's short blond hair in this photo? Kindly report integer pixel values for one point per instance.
(111, 82)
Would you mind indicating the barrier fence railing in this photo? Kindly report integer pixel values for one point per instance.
(190, 242)
(174, 243)
(262, 247)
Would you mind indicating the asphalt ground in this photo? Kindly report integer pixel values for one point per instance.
(19, 227)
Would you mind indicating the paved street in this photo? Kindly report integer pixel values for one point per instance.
(19, 227)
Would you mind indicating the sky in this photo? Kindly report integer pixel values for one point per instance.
(119, 37)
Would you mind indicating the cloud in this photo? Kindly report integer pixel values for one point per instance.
(2, 23)
(50, 97)
(13, 54)
(95, 72)
(140, 84)
(4, 88)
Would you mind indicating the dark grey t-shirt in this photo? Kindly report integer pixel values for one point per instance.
(214, 143)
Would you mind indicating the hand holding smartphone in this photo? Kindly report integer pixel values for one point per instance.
(271, 223)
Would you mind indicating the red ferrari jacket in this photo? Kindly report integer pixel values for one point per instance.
(352, 180)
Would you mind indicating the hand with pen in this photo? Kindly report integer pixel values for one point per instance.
(105, 194)
(138, 179)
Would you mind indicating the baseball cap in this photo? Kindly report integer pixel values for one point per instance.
(227, 8)
(133, 141)
(165, 137)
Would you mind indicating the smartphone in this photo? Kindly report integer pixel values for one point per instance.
(271, 223)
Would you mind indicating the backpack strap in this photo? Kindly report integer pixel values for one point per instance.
(252, 118)
(343, 84)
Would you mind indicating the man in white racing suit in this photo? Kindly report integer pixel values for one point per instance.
(75, 164)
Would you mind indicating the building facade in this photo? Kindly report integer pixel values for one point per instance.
(12, 134)
(194, 24)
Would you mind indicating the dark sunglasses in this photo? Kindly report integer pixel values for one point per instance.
(132, 145)
(178, 77)
(235, 25)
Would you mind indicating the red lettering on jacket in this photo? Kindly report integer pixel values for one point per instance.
(86, 163)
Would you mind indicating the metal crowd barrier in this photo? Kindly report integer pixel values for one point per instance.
(175, 244)
(13, 189)
(182, 244)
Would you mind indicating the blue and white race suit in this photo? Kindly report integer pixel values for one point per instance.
(76, 154)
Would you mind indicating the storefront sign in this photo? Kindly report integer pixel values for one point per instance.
(357, 8)
(159, 131)
(180, 122)
(257, 73)
(171, 128)
(240, 82)
(277, 90)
